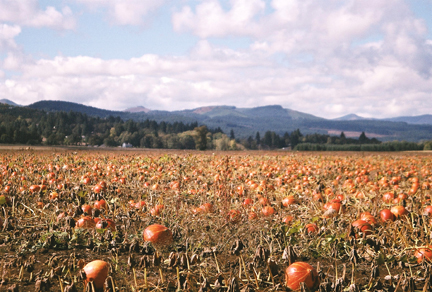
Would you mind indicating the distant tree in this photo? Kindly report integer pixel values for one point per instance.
(73, 139)
(134, 139)
(250, 141)
(173, 142)
(363, 139)
(342, 135)
(4, 138)
(110, 142)
(295, 138)
(157, 142)
(286, 139)
(201, 138)
(95, 140)
(258, 138)
(223, 143)
(267, 140)
(232, 136)
(188, 142)
(233, 145)
(217, 130)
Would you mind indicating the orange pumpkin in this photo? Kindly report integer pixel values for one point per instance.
(101, 204)
(311, 228)
(159, 235)
(289, 200)
(301, 272)
(96, 271)
(363, 226)
(399, 211)
(423, 254)
(85, 222)
(267, 211)
(386, 215)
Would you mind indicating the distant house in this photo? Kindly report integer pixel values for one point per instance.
(126, 145)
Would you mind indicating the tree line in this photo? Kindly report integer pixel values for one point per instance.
(272, 140)
(21, 125)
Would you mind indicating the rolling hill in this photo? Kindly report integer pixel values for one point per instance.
(57, 105)
(248, 121)
(350, 117)
(416, 120)
(9, 102)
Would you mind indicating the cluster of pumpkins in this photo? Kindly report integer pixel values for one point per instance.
(160, 236)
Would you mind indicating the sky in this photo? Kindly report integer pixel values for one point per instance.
(328, 58)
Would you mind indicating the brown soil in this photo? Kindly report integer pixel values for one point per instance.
(37, 250)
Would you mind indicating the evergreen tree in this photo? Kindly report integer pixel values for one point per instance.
(201, 138)
(295, 138)
(363, 139)
(232, 136)
(267, 140)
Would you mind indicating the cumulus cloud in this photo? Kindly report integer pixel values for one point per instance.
(215, 76)
(329, 41)
(293, 25)
(7, 35)
(327, 58)
(28, 13)
(126, 12)
(210, 19)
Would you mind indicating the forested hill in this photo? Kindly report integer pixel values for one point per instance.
(246, 122)
(25, 125)
(56, 106)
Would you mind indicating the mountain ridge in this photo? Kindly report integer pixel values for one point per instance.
(9, 102)
(137, 109)
(350, 117)
(248, 121)
(417, 120)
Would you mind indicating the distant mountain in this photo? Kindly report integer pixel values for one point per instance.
(350, 117)
(57, 105)
(413, 120)
(248, 121)
(137, 109)
(268, 112)
(417, 120)
(9, 102)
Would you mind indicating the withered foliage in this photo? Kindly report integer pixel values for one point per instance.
(61, 209)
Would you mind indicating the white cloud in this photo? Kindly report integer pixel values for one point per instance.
(243, 18)
(328, 58)
(210, 19)
(28, 13)
(216, 76)
(295, 26)
(7, 35)
(126, 12)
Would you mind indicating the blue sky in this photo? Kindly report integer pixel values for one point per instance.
(328, 58)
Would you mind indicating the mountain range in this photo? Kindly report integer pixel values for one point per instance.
(9, 102)
(248, 121)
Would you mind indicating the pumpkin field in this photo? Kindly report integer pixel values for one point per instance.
(105, 220)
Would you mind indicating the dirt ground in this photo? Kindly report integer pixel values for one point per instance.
(38, 252)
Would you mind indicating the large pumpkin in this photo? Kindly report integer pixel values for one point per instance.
(159, 235)
(300, 272)
(363, 226)
(96, 271)
(399, 211)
